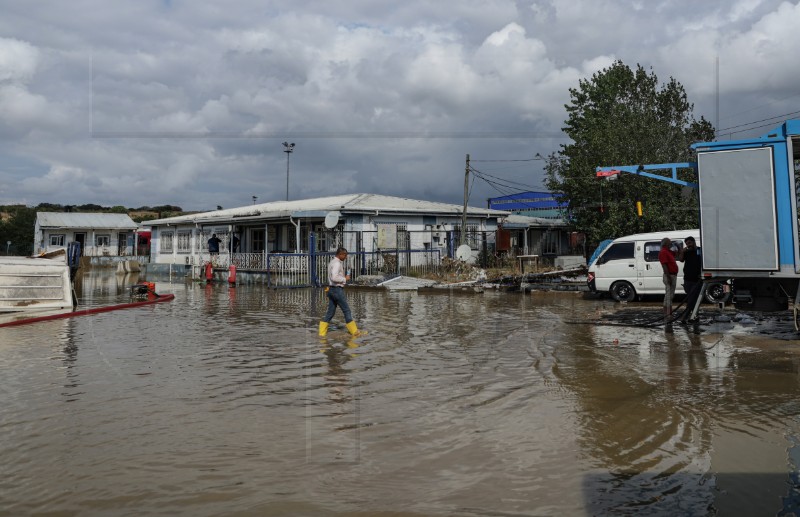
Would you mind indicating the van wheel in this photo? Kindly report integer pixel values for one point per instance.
(622, 291)
(715, 293)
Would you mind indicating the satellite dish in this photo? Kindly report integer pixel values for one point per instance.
(464, 252)
(332, 219)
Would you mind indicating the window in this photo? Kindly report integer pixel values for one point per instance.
(102, 240)
(201, 244)
(471, 236)
(303, 237)
(184, 242)
(166, 242)
(651, 250)
(328, 239)
(258, 239)
(618, 251)
(550, 243)
(57, 240)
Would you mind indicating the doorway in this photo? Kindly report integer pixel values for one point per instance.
(80, 238)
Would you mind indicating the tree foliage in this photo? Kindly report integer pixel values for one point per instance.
(622, 117)
(18, 230)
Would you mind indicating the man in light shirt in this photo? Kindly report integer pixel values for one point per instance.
(337, 279)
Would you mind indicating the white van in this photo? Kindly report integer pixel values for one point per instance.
(629, 267)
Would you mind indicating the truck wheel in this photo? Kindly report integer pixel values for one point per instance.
(715, 293)
(622, 291)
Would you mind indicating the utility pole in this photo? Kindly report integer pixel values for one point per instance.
(466, 195)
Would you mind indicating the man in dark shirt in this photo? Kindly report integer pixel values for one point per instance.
(213, 244)
(692, 259)
(667, 259)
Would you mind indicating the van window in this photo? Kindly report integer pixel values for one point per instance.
(651, 250)
(618, 251)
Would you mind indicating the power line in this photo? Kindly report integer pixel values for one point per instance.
(762, 105)
(725, 130)
(500, 187)
(473, 169)
(539, 158)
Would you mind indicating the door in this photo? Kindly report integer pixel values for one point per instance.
(616, 263)
(652, 273)
(258, 240)
(81, 239)
(123, 243)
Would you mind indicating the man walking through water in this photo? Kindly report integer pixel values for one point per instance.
(337, 279)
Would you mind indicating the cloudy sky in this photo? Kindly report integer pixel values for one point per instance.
(148, 102)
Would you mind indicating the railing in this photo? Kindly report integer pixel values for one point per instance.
(289, 269)
(308, 269)
(405, 262)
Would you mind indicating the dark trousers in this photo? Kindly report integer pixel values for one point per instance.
(692, 289)
(336, 298)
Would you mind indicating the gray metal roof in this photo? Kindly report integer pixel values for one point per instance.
(85, 220)
(516, 221)
(346, 204)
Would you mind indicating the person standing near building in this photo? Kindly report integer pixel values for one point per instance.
(670, 267)
(692, 259)
(337, 279)
(213, 244)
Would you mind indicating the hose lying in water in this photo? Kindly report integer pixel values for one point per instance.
(657, 322)
(85, 312)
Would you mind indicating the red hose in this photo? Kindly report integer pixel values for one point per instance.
(86, 312)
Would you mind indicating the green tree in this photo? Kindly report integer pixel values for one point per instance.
(19, 230)
(622, 117)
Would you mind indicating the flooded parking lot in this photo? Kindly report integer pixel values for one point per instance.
(225, 402)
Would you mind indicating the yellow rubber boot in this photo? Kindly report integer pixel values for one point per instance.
(352, 328)
(323, 328)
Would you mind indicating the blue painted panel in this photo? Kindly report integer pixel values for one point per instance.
(784, 197)
(534, 200)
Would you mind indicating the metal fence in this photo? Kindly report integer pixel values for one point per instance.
(381, 263)
(311, 269)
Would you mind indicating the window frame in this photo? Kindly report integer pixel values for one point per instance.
(184, 241)
(605, 258)
(166, 242)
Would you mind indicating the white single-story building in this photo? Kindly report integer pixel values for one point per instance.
(360, 222)
(98, 234)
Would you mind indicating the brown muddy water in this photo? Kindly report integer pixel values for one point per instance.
(225, 402)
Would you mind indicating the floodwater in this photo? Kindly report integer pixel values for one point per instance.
(225, 402)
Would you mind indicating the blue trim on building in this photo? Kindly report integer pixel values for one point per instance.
(534, 203)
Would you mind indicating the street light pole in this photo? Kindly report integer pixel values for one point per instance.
(463, 238)
(287, 148)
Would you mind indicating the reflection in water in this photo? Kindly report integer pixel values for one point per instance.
(657, 409)
(225, 401)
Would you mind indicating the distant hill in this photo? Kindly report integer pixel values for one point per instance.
(142, 213)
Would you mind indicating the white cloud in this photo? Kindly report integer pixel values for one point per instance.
(18, 60)
(17, 105)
